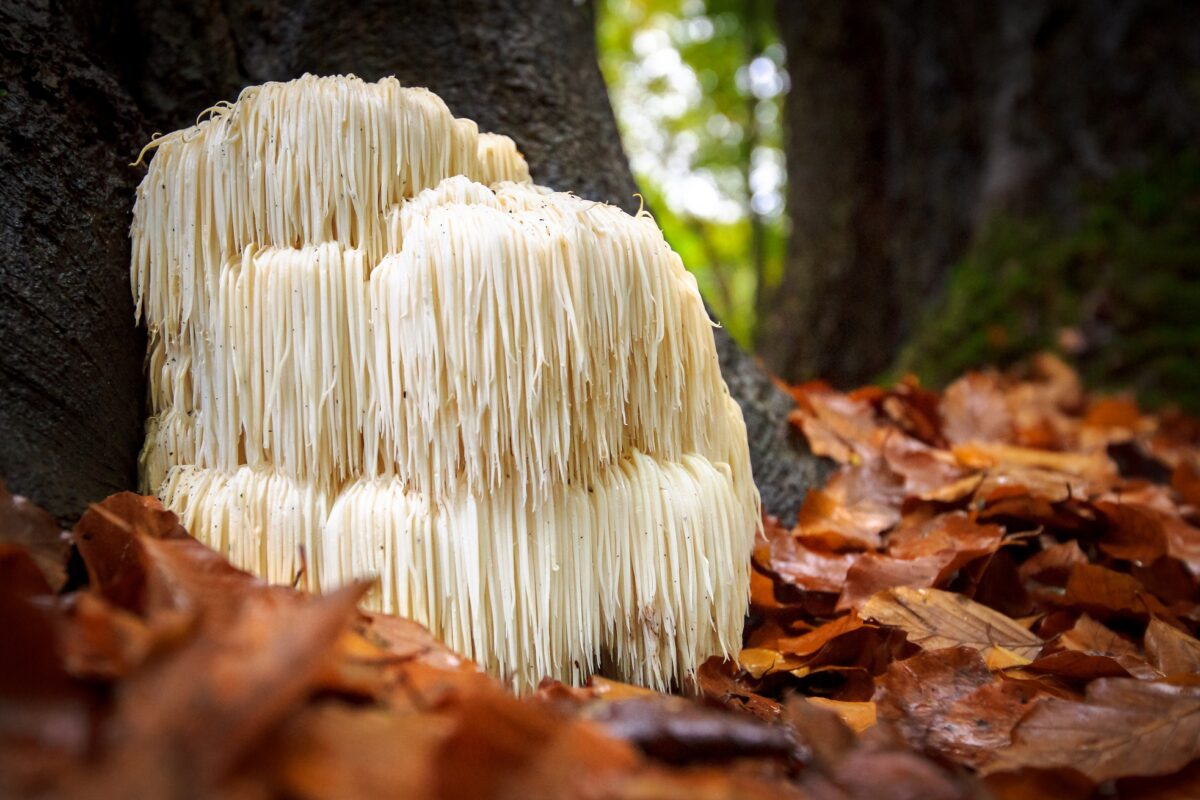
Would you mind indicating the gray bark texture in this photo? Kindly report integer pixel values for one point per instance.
(88, 82)
(910, 123)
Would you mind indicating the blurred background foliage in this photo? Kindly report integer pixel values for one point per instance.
(698, 86)
(1095, 259)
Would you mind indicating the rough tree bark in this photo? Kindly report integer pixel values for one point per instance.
(911, 123)
(527, 69)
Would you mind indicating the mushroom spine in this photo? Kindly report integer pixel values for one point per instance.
(374, 341)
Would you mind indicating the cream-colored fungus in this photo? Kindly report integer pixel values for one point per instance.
(376, 349)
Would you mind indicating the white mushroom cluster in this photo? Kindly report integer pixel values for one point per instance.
(377, 349)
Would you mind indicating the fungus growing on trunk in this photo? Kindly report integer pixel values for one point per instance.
(374, 342)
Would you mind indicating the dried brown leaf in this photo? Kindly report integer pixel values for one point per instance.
(872, 573)
(24, 525)
(1091, 650)
(1171, 650)
(1105, 593)
(949, 703)
(935, 619)
(1135, 533)
(1123, 728)
(1186, 481)
(1052, 566)
(1182, 785)
(851, 512)
(858, 716)
(809, 567)
(975, 408)
(954, 531)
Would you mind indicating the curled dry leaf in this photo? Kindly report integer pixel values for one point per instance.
(935, 619)
(1090, 650)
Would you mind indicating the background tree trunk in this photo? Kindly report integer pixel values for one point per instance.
(526, 69)
(911, 123)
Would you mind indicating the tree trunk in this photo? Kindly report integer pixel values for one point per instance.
(911, 123)
(526, 69)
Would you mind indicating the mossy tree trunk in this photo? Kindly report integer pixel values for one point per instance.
(910, 124)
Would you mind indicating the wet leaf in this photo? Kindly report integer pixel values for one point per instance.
(949, 703)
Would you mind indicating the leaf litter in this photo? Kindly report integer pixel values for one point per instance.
(996, 594)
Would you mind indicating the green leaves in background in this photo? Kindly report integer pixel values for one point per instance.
(698, 86)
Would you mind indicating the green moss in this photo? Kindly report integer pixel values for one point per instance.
(1124, 284)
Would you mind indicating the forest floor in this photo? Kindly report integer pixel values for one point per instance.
(996, 594)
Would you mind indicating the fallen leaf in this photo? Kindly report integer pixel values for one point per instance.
(837, 426)
(1094, 466)
(854, 508)
(975, 408)
(1124, 727)
(716, 680)
(677, 731)
(1186, 481)
(760, 661)
(24, 525)
(894, 773)
(1052, 565)
(1091, 650)
(808, 567)
(1182, 785)
(810, 643)
(935, 619)
(915, 411)
(332, 750)
(949, 703)
(1105, 593)
(872, 573)
(20, 574)
(1061, 783)
(225, 691)
(1171, 650)
(954, 531)
(857, 715)
(500, 747)
(1135, 533)
(1113, 414)
(923, 468)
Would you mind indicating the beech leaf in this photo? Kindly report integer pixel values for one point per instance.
(1124, 727)
(935, 619)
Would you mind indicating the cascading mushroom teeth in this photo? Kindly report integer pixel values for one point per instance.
(377, 349)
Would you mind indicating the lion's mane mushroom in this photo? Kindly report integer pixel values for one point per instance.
(372, 340)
